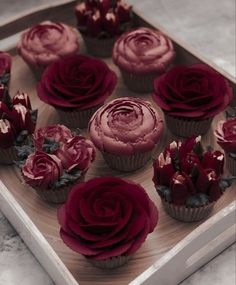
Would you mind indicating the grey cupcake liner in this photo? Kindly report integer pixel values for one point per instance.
(99, 47)
(127, 162)
(231, 164)
(184, 214)
(110, 263)
(76, 118)
(7, 156)
(141, 83)
(185, 128)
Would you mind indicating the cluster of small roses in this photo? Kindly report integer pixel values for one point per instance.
(103, 18)
(17, 120)
(186, 174)
(56, 157)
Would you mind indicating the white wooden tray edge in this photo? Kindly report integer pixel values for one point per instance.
(196, 249)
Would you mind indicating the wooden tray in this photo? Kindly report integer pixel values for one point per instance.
(171, 253)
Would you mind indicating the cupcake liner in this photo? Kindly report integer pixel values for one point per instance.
(56, 196)
(127, 162)
(7, 155)
(112, 262)
(231, 164)
(99, 47)
(141, 83)
(185, 128)
(184, 214)
(77, 118)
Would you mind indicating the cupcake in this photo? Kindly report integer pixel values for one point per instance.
(190, 97)
(101, 22)
(76, 86)
(142, 55)
(107, 219)
(126, 131)
(189, 179)
(55, 161)
(45, 43)
(5, 67)
(226, 137)
(17, 123)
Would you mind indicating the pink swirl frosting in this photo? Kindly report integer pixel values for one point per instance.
(46, 42)
(126, 126)
(143, 50)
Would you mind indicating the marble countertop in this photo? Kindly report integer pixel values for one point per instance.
(17, 264)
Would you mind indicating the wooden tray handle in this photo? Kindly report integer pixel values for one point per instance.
(201, 245)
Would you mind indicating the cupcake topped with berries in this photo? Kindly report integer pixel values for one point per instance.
(189, 179)
(100, 22)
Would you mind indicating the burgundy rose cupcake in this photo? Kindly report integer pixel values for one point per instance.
(119, 209)
(5, 67)
(190, 97)
(142, 55)
(126, 131)
(101, 22)
(55, 162)
(189, 179)
(226, 138)
(76, 86)
(17, 123)
(45, 43)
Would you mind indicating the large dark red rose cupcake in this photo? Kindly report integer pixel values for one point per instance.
(190, 97)
(189, 179)
(55, 160)
(5, 67)
(142, 55)
(226, 137)
(107, 219)
(45, 43)
(76, 86)
(126, 131)
(101, 22)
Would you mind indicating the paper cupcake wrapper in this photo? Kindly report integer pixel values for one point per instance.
(139, 83)
(184, 214)
(7, 156)
(56, 196)
(99, 47)
(77, 118)
(231, 164)
(186, 127)
(110, 263)
(127, 162)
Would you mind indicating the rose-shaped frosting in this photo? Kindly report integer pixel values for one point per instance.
(41, 169)
(23, 99)
(195, 91)
(107, 217)
(5, 63)
(143, 50)
(57, 133)
(226, 135)
(47, 42)
(7, 133)
(76, 81)
(77, 152)
(185, 174)
(126, 126)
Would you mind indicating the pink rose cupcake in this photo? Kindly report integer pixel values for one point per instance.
(45, 43)
(76, 86)
(55, 161)
(189, 179)
(142, 55)
(101, 22)
(190, 97)
(5, 67)
(17, 123)
(226, 138)
(126, 131)
(119, 209)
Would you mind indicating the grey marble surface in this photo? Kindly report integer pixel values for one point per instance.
(209, 26)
